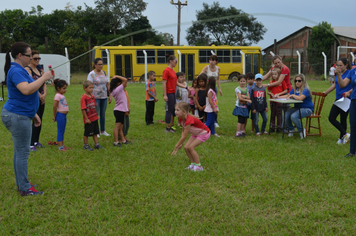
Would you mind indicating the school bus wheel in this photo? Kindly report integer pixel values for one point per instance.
(233, 76)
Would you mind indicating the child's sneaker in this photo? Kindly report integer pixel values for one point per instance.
(216, 125)
(173, 128)
(127, 142)
(290, 134)
(265, 132)
(243, 134)
(30, 191)
(339, 142)
(104, 133)
(346, 138)
(198, 168)
(258, 134)
(39, 145)
(216, 135)
(87, 147)
(190, 167)
(33, 148)
(239, 135)
(117, 144)
(98, 146)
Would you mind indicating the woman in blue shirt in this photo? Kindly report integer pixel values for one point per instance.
(300, 92)
(335, 111)
(20, 108)
(351, 79)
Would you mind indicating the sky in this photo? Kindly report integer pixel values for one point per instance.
(280, 18)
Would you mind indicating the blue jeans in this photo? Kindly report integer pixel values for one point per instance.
(101, 105)
(292, 115)
(352, 118)
(61, 125)
(264, 123)
(210, 121)
(21, 131)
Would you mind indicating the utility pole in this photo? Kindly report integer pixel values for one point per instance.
(180, 5)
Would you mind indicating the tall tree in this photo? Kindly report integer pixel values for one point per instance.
(320, 40)
(121, 11)
(240, 29)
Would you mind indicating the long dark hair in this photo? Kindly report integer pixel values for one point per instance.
(203, 77)
(345, 62)
(114, 83)
(15, 49)
(211, 85)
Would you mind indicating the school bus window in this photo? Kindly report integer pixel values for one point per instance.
(104, 56)
(151, 57)
(223, 56)
(204, 56)
(236, 56)
(161, 56)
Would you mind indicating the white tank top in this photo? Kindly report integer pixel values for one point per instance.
(214, 74)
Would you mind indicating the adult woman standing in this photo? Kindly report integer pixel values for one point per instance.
(101, 87)
(19, 109)
(335, 111)
(213, 70)
(343, 83)
(169, 86)
(285, 73)
(300, 92)
(36, 72)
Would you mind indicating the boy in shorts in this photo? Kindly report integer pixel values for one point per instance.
(90, 117)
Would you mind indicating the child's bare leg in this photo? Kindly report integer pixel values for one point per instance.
(238, 127)
(95, 138)
(121, 133)
(192, 144)
(60, 144)
(85, 139)
(190, 140)
(116, 132)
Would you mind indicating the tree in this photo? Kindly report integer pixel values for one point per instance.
(320, 40)
(121, 12)
(240, 29)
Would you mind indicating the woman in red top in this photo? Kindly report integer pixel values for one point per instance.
(169, 83)
(285, 73)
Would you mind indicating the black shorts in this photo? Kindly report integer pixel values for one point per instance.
(91, 129)
(119, 115)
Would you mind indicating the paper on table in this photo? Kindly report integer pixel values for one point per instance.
(280, 98)
(343, 103)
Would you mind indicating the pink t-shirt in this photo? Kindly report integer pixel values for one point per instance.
(62, 102)
(120, 98)
(192, 93)
(208, 107)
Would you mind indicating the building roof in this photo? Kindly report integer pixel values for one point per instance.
(349, 32)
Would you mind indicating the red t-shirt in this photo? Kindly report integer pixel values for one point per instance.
(171, 77)
(285, 71)
(89, 105)
(196, 126)
(277, 89)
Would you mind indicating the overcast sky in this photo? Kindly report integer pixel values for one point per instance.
(163, 16)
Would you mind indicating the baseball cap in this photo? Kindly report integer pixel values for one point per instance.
(258, 76)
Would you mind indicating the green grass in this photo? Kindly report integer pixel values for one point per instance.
(251, 186)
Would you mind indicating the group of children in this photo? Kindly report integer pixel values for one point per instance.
(251, 99)
(90, 116)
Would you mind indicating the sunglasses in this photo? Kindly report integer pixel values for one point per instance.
(297, 80)
(37, 59)
(26, 55)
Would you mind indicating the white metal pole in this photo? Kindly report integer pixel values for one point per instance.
(243, 62)
(179, 61)
(299, 67)
(270, 52)
(144, 52)
(108, 61)
(212, 52)
(68, 65)
(353, 56)
(338, 52)
(325, 61)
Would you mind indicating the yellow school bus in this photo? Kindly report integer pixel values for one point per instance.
(129, 61)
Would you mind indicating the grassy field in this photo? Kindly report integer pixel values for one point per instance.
(251, 186)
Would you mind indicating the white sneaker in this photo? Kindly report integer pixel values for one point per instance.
(216, 125)
(198, 168)
(339, 141)
(346, 138)
(303, 134)
(98, 135)
(105, 133)
(216, 135)
(290, 134)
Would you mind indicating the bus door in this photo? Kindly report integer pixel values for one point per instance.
(188, 65)
(123, 65)
(252, 63)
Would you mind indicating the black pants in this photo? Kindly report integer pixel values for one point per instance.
(150, 111)
(37, 130)
(342, 125)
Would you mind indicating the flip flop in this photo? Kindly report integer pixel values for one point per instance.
(161, 121)
(52, 143)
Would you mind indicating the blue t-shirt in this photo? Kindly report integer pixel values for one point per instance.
(340, 91)
(307, 102)
(352, 77)
(19, 103)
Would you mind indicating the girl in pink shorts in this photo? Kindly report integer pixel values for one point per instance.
(199, 134)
